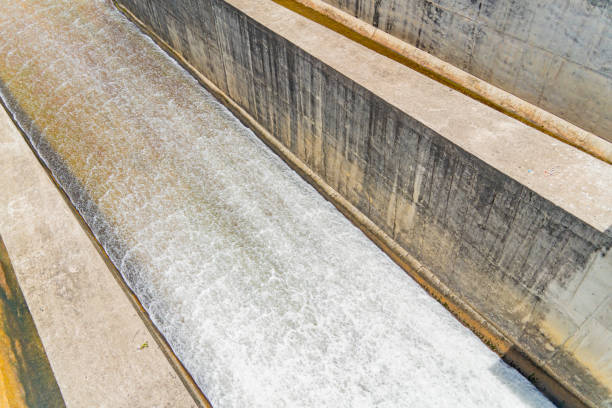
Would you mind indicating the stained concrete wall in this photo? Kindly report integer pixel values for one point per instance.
(536, 270)
(554, 54)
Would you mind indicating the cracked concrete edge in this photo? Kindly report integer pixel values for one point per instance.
(466, 83)
(186, 379)
(535, 370)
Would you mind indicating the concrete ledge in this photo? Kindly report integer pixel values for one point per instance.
(513, 224)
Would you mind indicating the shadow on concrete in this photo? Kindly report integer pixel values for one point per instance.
(27, 375)
(545, 383)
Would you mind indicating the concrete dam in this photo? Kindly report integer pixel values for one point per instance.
(292, 218)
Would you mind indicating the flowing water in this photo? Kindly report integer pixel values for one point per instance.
(267, 294)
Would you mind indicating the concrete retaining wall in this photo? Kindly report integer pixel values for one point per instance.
(554, 54)
(533, 268)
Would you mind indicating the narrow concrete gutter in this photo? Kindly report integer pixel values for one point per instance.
(536, 371)
(450, 75)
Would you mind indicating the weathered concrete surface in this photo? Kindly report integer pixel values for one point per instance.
(424, 62)
(26, 379)
(92, 335)
(513, 221)
(556, 55)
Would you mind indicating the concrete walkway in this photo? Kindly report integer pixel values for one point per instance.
(100, 350)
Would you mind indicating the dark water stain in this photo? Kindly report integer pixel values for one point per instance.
(602, 4)
(376, 13)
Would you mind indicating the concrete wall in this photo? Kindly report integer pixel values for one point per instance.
(538, 272)
(554, 54)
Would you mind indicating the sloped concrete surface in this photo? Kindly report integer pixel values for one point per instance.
(92, 335)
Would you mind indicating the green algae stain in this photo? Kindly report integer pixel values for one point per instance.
(26, 378)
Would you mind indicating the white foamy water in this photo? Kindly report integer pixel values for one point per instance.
(267, 294)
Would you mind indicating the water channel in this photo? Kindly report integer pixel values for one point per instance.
(266, 293)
